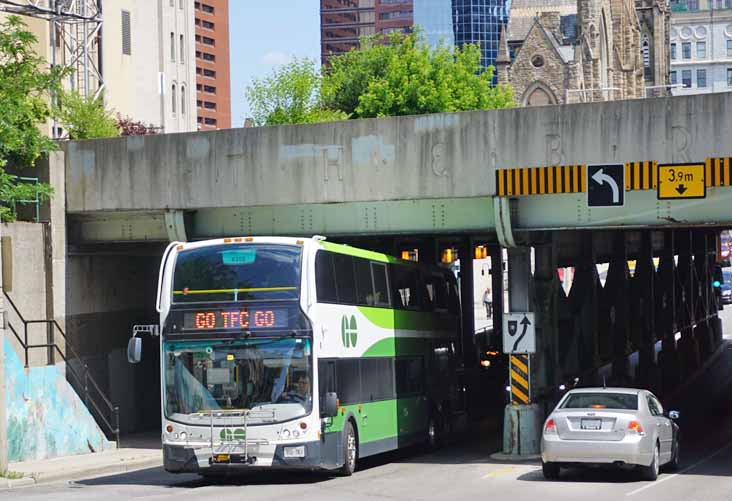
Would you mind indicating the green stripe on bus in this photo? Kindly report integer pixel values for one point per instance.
(396, 347)
(386, 318)
(366, 254)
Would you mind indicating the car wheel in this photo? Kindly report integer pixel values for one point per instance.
(673, 465)
(550, 470)
(651, 472)
(350, 450)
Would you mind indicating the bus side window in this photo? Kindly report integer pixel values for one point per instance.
(325, 280)
(345, 281)
(349, 381)
(381, 284)
(364, 292)
(406, 279)
(326, 379)
(409, 374)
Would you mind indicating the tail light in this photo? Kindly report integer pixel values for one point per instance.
(550, 427)
(636, 427)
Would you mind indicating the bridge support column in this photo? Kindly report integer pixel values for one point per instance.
(643, 318)
(615, 304)
(687, 345)
(666, 295)
(546, 369)
(465, 252)
(579, 343)
(702, 290)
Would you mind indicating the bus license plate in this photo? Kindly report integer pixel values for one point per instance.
(295, 452)
(591, 424)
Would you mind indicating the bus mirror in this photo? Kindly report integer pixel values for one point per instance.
(330, 406)
(134, 350)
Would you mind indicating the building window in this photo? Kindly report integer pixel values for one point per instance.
(182, 99)
(701, 50)
(180, 4)
(701, 78)
(126, 33)
(208, 41)
(686, 78)
(673, 78)
(729, 77)
(686, 50)
(207, 24)
(173, 99)
(198, 71)
(199, 103)
(395, 15)
(172, 3)
(172, 46)
(729, 48)
(210, 89)
(208, 9)
(209, 73)
(197, 5)
(646, 50)
(210, 121)
(209, 57)
(673, 51)
(182, 49)
(209, 105)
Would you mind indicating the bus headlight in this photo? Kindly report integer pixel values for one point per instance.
(183, 436)
(295, 433)
(285, 433)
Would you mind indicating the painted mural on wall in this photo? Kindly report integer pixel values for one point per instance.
(46, 418)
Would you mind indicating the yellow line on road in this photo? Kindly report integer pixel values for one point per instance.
(499, 471)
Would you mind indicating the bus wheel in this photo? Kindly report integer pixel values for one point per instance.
(350, 450)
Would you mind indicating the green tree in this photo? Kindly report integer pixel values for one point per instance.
(86, 118)
(405, 77)
(26, 87)
(290, 95)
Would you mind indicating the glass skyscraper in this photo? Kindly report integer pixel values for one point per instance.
(480, 21)
(464, 21)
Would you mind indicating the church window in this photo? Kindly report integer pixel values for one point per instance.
(673, 51)
(686, 78)
(646, 48)
(701, 78)
(686, 50)
(537, 61)
(701, 50)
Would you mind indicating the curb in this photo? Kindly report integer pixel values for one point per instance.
(515, 458)
(81, 474)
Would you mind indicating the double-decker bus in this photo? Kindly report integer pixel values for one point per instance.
(301, 353)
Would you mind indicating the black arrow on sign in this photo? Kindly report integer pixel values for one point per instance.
(525, 322)
(681, 189)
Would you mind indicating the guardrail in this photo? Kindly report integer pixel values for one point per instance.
(100, 406)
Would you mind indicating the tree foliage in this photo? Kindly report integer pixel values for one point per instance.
(290, 95)
(86, 118)
(406, 77)
(26, 86)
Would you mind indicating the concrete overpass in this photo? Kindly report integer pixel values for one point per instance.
(433, 178)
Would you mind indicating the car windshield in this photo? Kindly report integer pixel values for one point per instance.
(628, 401)
(270, 377)
(237, 272)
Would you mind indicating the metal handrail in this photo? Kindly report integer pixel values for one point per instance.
(83, 378)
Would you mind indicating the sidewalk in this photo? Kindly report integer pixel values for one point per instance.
(143, 454)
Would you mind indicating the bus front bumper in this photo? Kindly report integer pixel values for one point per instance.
(182, 459)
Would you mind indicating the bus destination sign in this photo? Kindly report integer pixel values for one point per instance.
(208, 320)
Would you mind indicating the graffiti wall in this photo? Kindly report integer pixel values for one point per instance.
(45, 416)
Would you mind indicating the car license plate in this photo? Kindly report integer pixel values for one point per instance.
(295, 452)
(591, 424)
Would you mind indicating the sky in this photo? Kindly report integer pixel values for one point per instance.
(265, 34)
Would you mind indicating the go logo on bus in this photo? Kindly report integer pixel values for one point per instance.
(349, 331)
(228, 435)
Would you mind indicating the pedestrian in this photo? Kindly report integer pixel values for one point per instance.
(488, 302)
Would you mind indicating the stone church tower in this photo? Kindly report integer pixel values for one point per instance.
(584, 50)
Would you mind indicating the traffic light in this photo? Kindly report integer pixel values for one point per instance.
(448, 256)
(410, 255)
(481, 252)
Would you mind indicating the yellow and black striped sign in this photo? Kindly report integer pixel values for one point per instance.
(719, 172)
(541, 180)
(641, 175)
(520, 380)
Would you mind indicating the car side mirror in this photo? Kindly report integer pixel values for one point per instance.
(134, 350)
(674, 415)
(330, 405)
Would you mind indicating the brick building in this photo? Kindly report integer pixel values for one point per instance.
(560, 51)
(213, 88)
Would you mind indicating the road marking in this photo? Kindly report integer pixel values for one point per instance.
(499, 471)
(698, 463)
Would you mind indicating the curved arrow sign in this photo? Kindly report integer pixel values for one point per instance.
(601, 178)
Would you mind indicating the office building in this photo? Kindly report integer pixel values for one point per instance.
(701, 46)
(480, 21)
(213, 87)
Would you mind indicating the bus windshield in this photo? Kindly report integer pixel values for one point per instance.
(237, 272)
(268, 375)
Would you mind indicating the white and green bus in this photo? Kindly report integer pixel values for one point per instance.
(301, 353)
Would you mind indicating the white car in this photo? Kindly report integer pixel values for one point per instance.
(610, 426)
